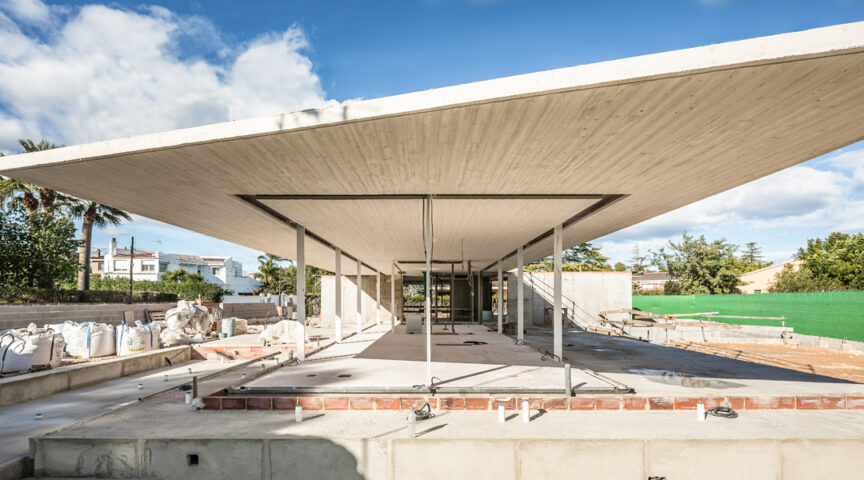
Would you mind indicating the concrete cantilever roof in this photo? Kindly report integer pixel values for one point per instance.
(600, 146)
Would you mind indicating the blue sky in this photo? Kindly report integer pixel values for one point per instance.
(73, 71)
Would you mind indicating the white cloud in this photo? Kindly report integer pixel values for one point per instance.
(27, 11)
(106, 73)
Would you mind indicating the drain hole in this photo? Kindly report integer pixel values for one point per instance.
(312, 375)
(192, 458)
(345, 375)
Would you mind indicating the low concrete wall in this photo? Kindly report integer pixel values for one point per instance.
(23, 388)
(249, 311)
(19, 316)
(710, 334)
(421, 459)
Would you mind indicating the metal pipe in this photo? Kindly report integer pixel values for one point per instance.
(568, 381)
(420, 389)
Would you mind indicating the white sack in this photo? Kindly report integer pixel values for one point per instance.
(89, 340)
(284, 331)
(136, 339)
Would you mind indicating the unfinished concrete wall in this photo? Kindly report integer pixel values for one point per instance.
(584, 296)
(349, 298)
(249, 311)
(19, 316)
(420, 459)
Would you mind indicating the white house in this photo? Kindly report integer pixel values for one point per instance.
(146, 265)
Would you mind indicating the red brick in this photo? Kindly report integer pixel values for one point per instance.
(686, 403)
(808, 403)
(608, 403)
(509, 403)
(634, 403)
(310, 403)
(476, 403)
(582, 403)
(756, 403)
(335, 403)
(711, 402)
(533, 403)
(284, 403)
(212, 403)
(736, 403)
(233, 403)
(259, 403)
(661, 403)
(451, 403)
(783, 403)
(854, 403)
(560, 403)
(362, 403)
(387, 403)
(417, 403)
(833, 403)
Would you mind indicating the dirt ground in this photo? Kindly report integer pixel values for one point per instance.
(820, 361)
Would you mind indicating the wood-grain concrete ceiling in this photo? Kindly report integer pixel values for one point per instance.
(649, 134)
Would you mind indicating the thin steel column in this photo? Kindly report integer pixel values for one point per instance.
(337, 321)
(520, 295)
(452, 295)
(500, 297)
(557, 334)
(377, 298)
(301, 293)
(480, 298)
(470, 279)
(393, 297)
(428, 302)
(359, 296)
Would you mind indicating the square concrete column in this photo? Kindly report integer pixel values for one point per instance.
(520, 295)
(557, 335)
(500, 297)
(337, 320)
(359, 296)
(301, 294)
(377, 298)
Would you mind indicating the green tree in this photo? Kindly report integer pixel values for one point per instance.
(752, 253)
(638, 262)
(836, 263)
(37, 249)
(620, 267)
(271, 275)
(586, 254)
(92, 213)
(699, 266)
(790, 280)
(180, 276)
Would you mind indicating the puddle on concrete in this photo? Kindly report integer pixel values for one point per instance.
(670, 377)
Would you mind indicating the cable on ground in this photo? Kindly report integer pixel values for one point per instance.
(722, 412)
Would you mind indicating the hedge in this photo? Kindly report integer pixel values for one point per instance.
(38, 295)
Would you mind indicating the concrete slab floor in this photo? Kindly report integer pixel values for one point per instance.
(378, 358)
(18, 423)
(659, 370)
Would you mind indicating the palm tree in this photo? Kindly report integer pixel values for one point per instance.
(92, 213)
(47, 197)
(30, 196)
(268, 269)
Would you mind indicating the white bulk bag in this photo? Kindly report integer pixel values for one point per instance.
(137, 339)
(89, 340)
(284, 331)
(21, 351)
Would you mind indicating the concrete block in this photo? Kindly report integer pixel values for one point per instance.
(808, 459)
(323, 459)
(713, 459)
(568, 459)
(83, 457)
(217, 459)
(420, 459)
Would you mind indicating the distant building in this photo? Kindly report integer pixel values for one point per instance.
(649, 281)
(760, 281)
(223, 271)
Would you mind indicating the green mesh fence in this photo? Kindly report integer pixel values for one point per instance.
(826, 314)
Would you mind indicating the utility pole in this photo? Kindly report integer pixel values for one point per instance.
(131, 264)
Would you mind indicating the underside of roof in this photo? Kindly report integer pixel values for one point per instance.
(597, 148)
